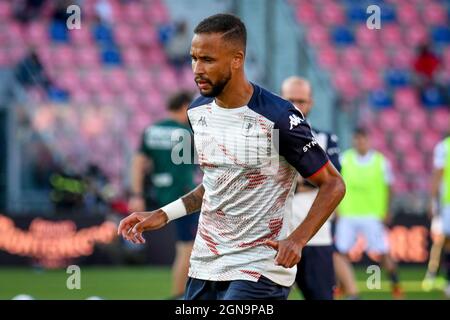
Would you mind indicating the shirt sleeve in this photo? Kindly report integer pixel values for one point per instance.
(297, 144)
(439, 156)
(333, 151)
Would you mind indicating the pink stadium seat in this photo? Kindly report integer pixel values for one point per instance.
(306, 13)
(428, 140)
(345, 84)
(403, 140)
(332, 14)
(88, 57)
(366, 37)
(318, 36)
(134, 12)
(157, 12)
(123, 33)
(116, 79)
(37, 34)
(16, 53)
(434, 14)
(155, 56)
(402, 57)
(15, 34)
(369, 79)
(389, 119)
(83, 36)
(69, 80)
(94, 82)
(132, 57)
(328, 58)
(80, 96)
(130, 99)
(416, 34)
(105, 98)
(446, 57)
(407, 14)
(141, 81)
(351, 57)
(440, 120)
(415, 120)
(406, 99)
(145, 35)
(63, 56)
(376, 58)
(391, 35)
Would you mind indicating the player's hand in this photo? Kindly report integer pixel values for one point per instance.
(136, 204)
(289, 252)
(131, 227)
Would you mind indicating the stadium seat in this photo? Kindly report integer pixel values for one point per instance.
(432, 97)
(88, 57)
(402, 57)
(391, 35)
(396, 78)
(318, 36)
(81, 37)
(357, 13)
(59, 32)
(111, 56)
(403, 140)
(416, 34)
(342, 36)
(380, 99)
(434, 14)
(351, 58)
(328, 58)
(389, 120)
(369, 79)
(103, 35)
(376, 58)
(306, 14)
(365, 37)
(428, 140)
(407, 14)
(441, 34)
(332, 15)
(415, 120)
(406, 99)
(388, 13)
(440, 119)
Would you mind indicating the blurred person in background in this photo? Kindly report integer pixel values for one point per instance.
(155, 157)
(27, 10)
(440, 197)
(364, 209)
(178, 45)
(315, 271)
(30, 71)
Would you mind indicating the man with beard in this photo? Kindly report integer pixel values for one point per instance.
(244, 248)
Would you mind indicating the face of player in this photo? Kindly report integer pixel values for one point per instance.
(212, 63)
(361, 143)
(299, 95)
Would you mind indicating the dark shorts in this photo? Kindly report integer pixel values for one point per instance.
(315, 273)
(186, 227)
(263, 289)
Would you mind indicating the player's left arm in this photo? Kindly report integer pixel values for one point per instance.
(303, 152)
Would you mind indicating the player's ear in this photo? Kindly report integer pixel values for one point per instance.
(238, 60)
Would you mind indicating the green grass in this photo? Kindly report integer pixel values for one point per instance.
(154, 283)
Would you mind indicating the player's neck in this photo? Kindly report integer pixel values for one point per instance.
(236, 94)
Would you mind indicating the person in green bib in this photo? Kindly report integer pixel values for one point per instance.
(161, 158)
(440, 197)
(365, 208)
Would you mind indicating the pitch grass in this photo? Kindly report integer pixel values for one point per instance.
(154, 283)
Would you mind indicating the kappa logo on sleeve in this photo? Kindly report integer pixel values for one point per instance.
(294, 121)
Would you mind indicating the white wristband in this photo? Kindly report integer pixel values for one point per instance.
(175, 210)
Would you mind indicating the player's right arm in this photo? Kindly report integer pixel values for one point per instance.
(131, 227)
(436, 178)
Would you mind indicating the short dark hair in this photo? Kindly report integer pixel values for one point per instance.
(360, 131)
(230, 26)
(178, 100)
